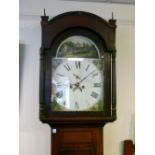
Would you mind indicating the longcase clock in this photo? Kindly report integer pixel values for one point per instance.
(77, 81)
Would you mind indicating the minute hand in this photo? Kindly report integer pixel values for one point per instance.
(86, 76)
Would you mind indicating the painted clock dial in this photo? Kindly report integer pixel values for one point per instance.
(77, 84)
(78, 47)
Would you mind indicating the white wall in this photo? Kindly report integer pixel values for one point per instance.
(35, 136)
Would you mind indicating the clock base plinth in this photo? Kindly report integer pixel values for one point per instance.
(77, 141)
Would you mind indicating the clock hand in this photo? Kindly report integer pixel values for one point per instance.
(86, 76)
(76, 76)
(77, 86)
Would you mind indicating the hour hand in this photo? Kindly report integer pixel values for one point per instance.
(76, 86)
(76, 76)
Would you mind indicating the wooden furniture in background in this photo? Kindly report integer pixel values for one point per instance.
(129, 147)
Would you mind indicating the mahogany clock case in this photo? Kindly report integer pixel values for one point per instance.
(102, 33)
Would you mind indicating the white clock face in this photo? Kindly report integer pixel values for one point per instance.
(77, 84)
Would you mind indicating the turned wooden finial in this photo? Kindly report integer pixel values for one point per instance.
(44, 18)
(44, 12)
(112, 15)
(112, 21)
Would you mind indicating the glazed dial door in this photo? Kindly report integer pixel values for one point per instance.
(77, 84)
